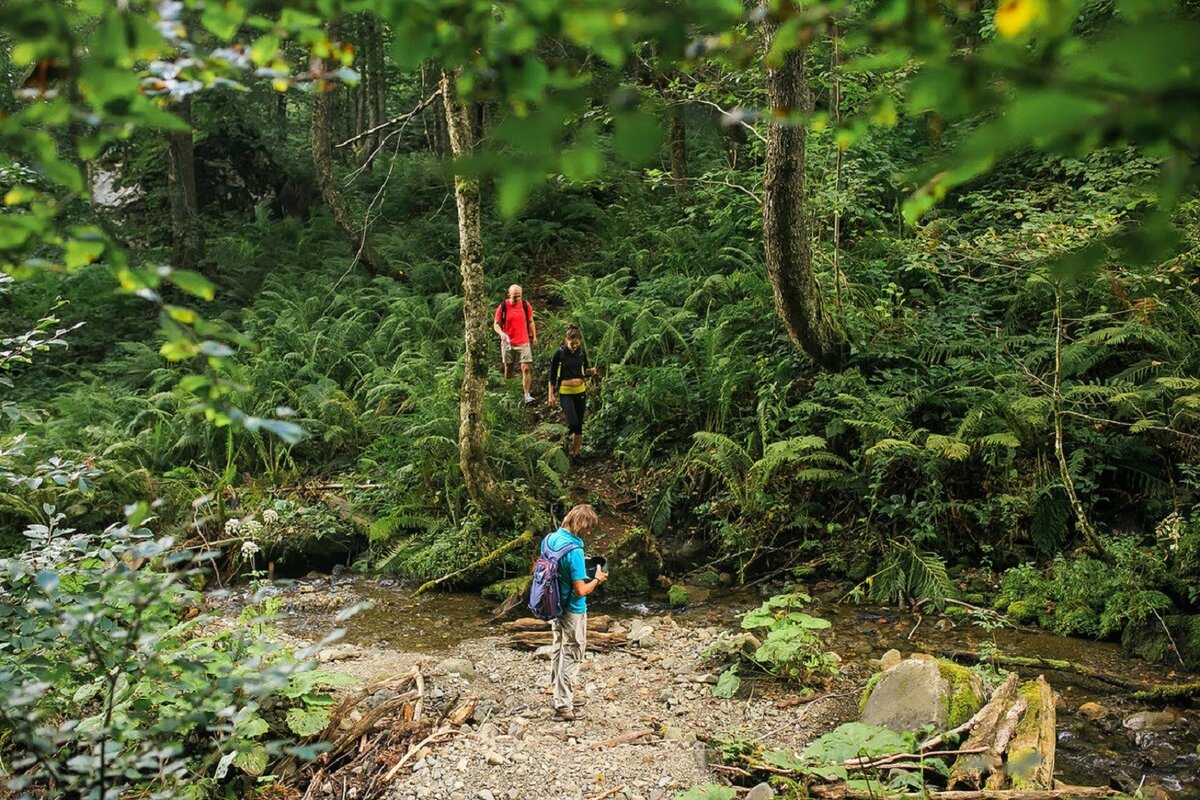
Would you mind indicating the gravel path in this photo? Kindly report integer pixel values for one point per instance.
(515, 749)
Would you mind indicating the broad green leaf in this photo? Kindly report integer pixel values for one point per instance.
(307, 721)
(193, 283)
(727, 684)
(252, 761)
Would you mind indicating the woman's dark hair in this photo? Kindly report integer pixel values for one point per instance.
(573, 332)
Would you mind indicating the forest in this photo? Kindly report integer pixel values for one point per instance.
(894, 315)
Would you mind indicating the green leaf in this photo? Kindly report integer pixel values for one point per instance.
(223, 18)
(252, 761)
(264, 49)
(708, 791)
(854, 739)
(307, 721)
(727, 684)
(80, 253)
(252, 728)
(193, 283)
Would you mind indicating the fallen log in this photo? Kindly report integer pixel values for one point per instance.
(600, 622)
(596, 640)
(970, 770)
(1165, 692)
(495, 555)
(1053, 664)
(1030, 762)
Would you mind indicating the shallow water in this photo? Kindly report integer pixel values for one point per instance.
(1089, 751)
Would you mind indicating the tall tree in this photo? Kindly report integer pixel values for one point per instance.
(785, 228)
(322, 156)
(188, 239)
(677, 145)
(472, 435)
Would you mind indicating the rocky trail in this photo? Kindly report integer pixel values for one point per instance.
(651, 722)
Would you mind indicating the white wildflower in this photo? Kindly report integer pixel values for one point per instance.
(250, 548)
(270, 516)
(232, 524)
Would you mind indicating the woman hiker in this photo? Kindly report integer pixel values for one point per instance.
(570, 630)
(568, 387)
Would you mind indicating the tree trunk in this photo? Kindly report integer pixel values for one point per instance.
(472, 436)
(677, 145)
(785, 229)
(186, 235)
(322, 154)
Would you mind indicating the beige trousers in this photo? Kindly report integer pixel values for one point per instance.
(570, 642)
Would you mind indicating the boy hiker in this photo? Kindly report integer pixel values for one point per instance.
(568, 624)
(514, 323)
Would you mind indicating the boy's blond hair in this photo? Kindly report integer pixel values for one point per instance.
(580, 519)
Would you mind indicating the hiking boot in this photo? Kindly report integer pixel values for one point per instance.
(569, 714)
(580, 702)
(528, 399)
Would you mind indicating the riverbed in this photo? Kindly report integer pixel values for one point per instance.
(1101, 744)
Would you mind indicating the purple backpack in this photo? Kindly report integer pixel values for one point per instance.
(545, 596)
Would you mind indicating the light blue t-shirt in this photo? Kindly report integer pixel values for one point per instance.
(572, 567)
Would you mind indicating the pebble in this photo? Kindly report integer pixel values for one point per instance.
(1092, 711)
(761, 792)
(486, 794)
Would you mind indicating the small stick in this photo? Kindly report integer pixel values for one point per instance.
(420, 694)
(609, 793)
(391, 773)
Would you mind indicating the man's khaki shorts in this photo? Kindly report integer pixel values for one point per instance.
(521, 354)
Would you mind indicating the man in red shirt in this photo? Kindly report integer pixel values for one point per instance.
(518, 333)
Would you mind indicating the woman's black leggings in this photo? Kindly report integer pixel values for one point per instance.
(574, 406)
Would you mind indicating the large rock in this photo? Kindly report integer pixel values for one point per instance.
(457, 666)
(919, 692)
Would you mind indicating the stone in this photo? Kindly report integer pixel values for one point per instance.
(543, 652)
(647, 642)
(890, 659)
(1155, 721)
(672, 734)
(457, 666)
(494, 758)
(761, 792)
(919, 692)
(725, 579)
(1093, 711)
(486, 794)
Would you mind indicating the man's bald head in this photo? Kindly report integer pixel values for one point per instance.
(514, 291)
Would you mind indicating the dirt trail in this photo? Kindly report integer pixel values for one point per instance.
(514, 748)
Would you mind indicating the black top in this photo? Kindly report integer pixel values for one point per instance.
(566, 365)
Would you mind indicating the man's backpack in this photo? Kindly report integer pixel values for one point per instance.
(545, 596)
(528, 316)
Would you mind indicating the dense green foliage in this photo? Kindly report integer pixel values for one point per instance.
(1003, 218)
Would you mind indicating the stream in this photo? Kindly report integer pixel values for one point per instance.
(1163, 756)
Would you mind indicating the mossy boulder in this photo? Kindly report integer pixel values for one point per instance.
(709, 579)
(1148, 640)
(922, 691)
(503, 590)
(633, 563)
(678, 596)
(1022, 612)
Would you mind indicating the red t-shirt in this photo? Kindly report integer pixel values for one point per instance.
(514, 322)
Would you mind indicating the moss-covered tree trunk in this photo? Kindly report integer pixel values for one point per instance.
(472, 434)
(677, 145)
(322, 156)
(785, 228)
(187, 237)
